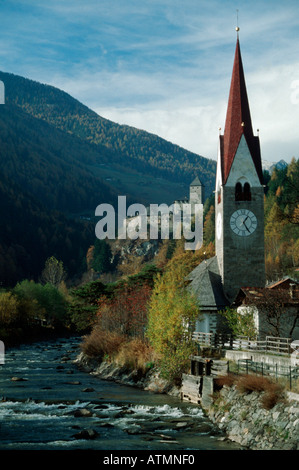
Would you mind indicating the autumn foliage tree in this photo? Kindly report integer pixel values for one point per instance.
(125, 311)
(172, 311)
(9, 312)
(282, 221)
(53, 272)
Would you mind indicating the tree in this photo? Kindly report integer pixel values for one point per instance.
(49, 302)
(278, 313)
(209, 226)
(8, 308)
(172, 313)
(241, 324)
(101, 257)
(53, 272)
(125, 311)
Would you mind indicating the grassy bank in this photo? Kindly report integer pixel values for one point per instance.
(134, 353)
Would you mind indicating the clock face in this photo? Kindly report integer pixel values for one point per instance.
(219, 226)
(243, 222)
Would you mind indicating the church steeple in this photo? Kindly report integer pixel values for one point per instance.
(239, 212)
(238, 122)
(239, 195)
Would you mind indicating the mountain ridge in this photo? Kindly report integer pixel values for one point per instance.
(56, 168)
(131, 147)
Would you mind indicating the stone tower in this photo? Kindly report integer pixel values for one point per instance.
(239, 194)
(196, 195)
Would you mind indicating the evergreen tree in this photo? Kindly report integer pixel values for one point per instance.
(102, 257)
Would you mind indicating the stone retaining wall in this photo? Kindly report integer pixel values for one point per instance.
(245, 421)
(241, 416)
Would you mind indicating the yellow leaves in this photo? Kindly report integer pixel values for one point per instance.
(295, 253)
(278, 191)
(296, 215)
(281, 222)
(172, 308)
(8, 307)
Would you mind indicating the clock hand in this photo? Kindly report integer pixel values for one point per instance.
(246, 227)
(245, 224)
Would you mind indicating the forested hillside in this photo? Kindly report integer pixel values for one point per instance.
(29, 233)
(59, 161)
(47, 163)
(43, 188)
(132, 148)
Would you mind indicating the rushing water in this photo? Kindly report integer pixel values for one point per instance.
(40, 411)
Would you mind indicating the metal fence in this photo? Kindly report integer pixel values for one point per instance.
(271, 345)
(290, 373)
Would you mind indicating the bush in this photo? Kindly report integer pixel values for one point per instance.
(136, 354)
(100, 343)
(225, 381)
(271, 397)
(273, 392)
(253, 383)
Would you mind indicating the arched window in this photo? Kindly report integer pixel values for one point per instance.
(238, 192)
(247, 192)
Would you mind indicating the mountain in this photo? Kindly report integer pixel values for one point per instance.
(269, 166)
(29, 234)
(47, 163)
(130, 159)
(43, 187)
(59, 160)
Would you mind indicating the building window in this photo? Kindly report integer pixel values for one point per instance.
(247, 192)
(238, 192)
(242, 193)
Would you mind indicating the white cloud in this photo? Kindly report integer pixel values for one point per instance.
(193, 128)
(163, 65)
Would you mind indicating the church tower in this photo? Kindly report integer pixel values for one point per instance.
(239, 194)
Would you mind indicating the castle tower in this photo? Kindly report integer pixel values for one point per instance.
(239, 194)
(196, 195)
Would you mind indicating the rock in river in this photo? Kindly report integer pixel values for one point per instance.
(86, 434)
(82, 413)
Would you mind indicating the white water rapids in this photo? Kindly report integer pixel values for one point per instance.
(40, 408)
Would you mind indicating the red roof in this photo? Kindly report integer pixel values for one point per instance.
(238, 122)
(259, 295)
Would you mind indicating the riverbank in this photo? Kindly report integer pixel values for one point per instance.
(149, 380)
(241, 416)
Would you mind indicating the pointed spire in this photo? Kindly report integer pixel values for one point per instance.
(196, 182)
(238, 120)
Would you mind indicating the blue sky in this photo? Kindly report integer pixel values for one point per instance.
(164, 66)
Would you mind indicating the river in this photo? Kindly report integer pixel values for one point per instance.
(44, 395)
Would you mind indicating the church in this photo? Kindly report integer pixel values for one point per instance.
(239, 211)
